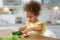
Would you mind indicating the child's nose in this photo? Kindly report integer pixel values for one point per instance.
(28, 18)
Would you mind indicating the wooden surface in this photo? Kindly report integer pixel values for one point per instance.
(4, 33)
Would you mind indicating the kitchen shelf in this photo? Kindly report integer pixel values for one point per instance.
(51, 2)
(12, 6)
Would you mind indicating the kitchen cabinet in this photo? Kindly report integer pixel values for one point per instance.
(6, 10)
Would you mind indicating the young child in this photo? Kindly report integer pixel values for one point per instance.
(33, 25)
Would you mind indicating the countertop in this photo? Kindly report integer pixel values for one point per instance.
(4, 33)
(22, 24)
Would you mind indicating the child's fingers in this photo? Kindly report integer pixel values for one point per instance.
(27, 30)
(20, 28)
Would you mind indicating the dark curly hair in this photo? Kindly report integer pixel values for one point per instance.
(33, 6)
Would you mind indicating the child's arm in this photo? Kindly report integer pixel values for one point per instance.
(39, 28)
(22, 28)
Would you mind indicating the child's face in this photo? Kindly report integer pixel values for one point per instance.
(30, 16)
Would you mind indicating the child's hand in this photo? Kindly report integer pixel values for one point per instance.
(27, 30)
(22, 28)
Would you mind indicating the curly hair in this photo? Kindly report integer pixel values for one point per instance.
(33, 6)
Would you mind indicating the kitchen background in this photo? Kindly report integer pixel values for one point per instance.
(12, 14)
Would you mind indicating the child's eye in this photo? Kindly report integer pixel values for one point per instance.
(26, 17)
(30, 17)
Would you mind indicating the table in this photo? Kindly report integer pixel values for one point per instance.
(4, 33)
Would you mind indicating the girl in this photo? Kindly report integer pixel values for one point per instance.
(33, 25)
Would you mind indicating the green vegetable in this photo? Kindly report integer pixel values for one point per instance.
(14, 36)
(1, 38)
(13, 33)
(11, 38)
(22, 38)
(17, 33)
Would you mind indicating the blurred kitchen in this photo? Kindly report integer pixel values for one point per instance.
(12, 15)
